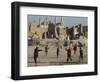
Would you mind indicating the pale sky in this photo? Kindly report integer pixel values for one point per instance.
(69, 21)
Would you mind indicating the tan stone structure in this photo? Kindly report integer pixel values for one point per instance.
(60, 31)
(43, 28)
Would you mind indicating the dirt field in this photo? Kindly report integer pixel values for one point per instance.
(51, 58)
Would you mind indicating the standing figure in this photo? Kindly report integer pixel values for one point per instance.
(81, 55)
(35, 55)
(57, 51)
(75, 48)
(46, 50)
(36, 50)
(69, 54)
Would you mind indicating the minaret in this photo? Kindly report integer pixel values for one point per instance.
(45, 27)
(55, 27)
(55, 20)
(45, 21)
(61, 20)
(39, 21)
(81, 28)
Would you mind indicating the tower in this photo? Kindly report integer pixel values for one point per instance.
(62, 20)
(39, 21)
(55, 20)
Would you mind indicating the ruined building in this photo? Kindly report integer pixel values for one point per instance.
(47, 29)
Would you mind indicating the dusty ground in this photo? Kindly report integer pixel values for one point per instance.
(51, 58)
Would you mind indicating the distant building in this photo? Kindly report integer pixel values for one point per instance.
(46, 29)
(76, 31)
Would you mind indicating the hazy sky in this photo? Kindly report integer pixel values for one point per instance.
(69, 21)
